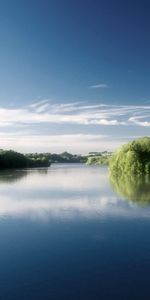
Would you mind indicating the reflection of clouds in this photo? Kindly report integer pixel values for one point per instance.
(64, 180)
(69, 208)
(65, 193)
(60, 207)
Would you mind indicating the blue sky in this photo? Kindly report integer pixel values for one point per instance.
(74, 75)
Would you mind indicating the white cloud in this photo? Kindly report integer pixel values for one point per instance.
(99, 86)
(27, 128)
(137, 121)
(75, 113)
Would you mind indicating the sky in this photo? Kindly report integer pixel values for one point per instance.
(74, 74)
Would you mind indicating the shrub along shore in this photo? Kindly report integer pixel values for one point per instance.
(132, 158)
(10, 160)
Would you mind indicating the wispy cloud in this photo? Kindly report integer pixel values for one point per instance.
(37, 126)
(46, 112)
(140, 121)
(99, 86)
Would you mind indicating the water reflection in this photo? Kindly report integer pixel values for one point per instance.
(68, 192)
(133, 188)
(10, 176)
(62, 191)
(65, 234)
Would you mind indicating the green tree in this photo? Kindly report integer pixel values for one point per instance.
(132, 158)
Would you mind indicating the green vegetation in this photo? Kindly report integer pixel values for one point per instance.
(132, 158)
(64, 157)
(134, 188)
(99, 159)
(14, 160)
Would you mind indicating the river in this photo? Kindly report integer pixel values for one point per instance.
(71, 233)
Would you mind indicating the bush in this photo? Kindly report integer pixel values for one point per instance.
(98, 160)
(11, 160)
(132, 158)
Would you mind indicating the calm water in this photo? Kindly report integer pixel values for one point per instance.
(71, 233)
